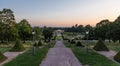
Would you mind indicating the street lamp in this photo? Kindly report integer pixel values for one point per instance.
(87, 32)
(33, 48)
(33, 35)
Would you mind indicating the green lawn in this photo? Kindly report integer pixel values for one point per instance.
(27, 59)
(110, 45)
(92, 58)
(59, 37)
(113, 46)
(4, 49)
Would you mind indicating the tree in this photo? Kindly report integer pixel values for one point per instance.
(2, 32)
(47, 33)
(116, 29)
(38, 32)
(25, 29)
(102, 26)
(81, 29)
(8, 20)
(90, 29)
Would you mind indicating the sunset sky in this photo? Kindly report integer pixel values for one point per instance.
(63, 13)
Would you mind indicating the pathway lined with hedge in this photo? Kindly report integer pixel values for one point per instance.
(109, 54)
(60, 56)
(10, 56)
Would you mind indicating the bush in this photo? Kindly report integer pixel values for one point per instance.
(72, 41)
(100, 46)
(79, 44)
(68, 40)
(18, 46)
(39, 43)
(2, 57)
(117, 57)
(35, 45)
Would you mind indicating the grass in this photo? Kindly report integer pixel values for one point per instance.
(113, 46)
(92, 58)
(27, 59)
(59, 37)
(110, 45)
(4, 49)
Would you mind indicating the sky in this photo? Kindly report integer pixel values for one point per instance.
(63, 13)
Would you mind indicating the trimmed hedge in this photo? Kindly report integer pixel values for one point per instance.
(79, 44)
(100, 46)
(2, 57)
(117, 57)
(39, 43)
(35, 45)
(17, 47)
(72, 41)
(68, 40)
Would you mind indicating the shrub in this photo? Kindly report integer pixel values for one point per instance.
(117, 57)
(68, 40)
(39, 43)
(2, 57)
(18, 46)
(100, 46)
(35, 45)
(79, 44)
(72, 41)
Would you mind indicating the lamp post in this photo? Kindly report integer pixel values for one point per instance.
(87, 32)
(33, 48)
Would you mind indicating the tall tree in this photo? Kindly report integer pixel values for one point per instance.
(25, 29)
(102, 26)
(8, 20)
(47, 33)
(38, 32)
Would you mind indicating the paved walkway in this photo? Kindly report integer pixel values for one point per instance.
(10, 56)
(60, 56)
(109, 54)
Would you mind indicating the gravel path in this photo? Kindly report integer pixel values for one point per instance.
(10, 56)
(60, 56)
(109, 54)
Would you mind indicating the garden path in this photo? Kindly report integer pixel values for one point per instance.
(109, 54)
(10, 56)
(60, 56)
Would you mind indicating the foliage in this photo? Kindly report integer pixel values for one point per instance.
(100, 46)
(35, 44)
(4, 49)
(72, 41)
(7, 22)
(79, 44)
(39, 43)
(68, 40)
(47, 33)
(117, 57)
(102, 26)
(38, 33)
(27, 58)
(2, 57)
(25, 29)
(17, 47)
(92, 58)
